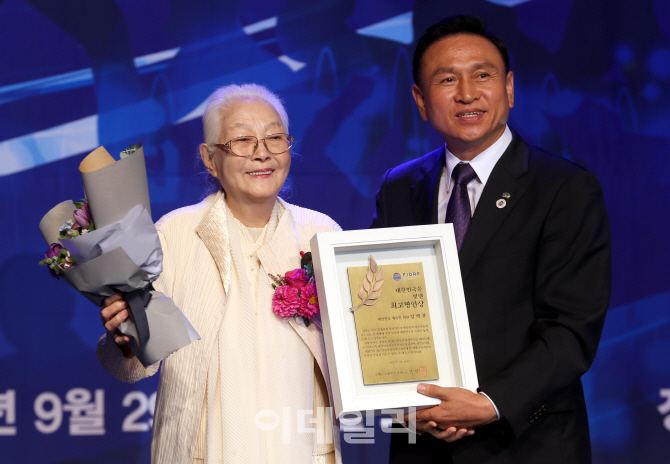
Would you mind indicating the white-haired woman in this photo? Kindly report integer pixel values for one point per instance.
(248, 390)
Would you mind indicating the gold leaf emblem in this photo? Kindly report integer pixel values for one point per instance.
(371, 288)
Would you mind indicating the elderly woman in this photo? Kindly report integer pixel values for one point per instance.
(249, 389)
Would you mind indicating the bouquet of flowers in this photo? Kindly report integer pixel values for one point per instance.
(57, 257)
(295, 292)
(109, 243)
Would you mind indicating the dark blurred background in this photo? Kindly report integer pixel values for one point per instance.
(592, 84)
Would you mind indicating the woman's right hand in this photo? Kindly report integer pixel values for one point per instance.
(114, 312)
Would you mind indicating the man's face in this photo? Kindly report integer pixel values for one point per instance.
(465, 93)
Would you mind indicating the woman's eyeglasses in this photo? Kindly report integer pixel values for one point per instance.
(247, 145)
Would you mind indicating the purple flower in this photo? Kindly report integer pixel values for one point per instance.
(50, 259)
(57, 258)
(83, 216)
(53, 251)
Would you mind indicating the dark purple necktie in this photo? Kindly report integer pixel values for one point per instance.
(458, 209)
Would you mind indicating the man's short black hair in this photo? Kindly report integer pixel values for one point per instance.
(454, 25)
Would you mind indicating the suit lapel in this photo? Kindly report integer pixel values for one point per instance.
(424, 192)
(505, 178)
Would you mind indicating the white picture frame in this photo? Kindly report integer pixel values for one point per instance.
(435, 247)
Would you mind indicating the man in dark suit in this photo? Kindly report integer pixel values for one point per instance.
(534, 251)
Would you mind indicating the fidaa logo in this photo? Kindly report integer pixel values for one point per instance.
(410, 275)
(405, 275)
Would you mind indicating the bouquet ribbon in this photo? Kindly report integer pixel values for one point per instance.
(138, 301)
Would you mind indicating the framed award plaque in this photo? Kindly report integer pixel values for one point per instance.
(393, 314)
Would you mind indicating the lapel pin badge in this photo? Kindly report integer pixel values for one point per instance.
(506, 195)
(501, 203)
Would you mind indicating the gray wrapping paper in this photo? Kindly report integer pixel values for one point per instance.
(135, 233)
(54, 219)
(98, 278)
(123, 253)
(116, 188)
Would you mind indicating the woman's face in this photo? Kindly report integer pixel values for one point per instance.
(259, 177)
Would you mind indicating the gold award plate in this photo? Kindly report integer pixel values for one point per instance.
(395, 336)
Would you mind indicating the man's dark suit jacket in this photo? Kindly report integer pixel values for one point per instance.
(537, 278)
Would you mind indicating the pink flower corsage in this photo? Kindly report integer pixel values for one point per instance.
(285, 301)
(309, 302)
(295, 292)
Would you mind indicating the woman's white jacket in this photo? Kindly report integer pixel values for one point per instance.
(196, 275)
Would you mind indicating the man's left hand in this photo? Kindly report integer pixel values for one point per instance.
(460, 408)
(451, 434)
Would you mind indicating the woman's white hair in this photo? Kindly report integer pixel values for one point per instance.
(225, 98)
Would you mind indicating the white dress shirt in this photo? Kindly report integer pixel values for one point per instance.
(483, 164)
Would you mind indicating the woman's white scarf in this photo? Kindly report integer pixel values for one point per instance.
(247, 375)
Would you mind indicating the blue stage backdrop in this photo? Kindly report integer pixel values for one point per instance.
(592, 84)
